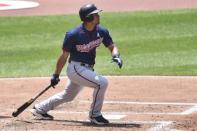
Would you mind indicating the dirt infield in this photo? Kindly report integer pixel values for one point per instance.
(147, 103)
(132, 103)
(60, 7)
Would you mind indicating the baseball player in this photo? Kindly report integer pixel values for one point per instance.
(79, 46)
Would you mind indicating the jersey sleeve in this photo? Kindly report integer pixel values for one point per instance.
(68, 42)
(107, 40)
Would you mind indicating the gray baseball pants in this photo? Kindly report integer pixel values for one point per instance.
(78, 77)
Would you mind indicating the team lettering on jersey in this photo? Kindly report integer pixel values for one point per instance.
(89, 46)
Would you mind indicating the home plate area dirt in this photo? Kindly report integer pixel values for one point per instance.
(133, 103)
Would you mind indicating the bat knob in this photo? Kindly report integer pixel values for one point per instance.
(14, 114)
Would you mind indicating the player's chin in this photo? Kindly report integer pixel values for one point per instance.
(97, 23)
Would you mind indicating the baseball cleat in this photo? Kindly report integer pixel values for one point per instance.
(42, 116)
(99, 120)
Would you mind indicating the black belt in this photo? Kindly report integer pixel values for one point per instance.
(87, 65)
(84, 64)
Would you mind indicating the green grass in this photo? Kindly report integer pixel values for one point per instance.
(150, 43)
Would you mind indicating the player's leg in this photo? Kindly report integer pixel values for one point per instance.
(67, 95)
(86, 77)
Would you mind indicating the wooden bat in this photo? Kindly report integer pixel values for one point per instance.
(28, 103)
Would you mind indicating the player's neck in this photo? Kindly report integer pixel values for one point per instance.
(89, 26)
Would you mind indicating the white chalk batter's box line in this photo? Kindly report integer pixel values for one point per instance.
(192, 109)
(123, 113)
(144, 103)
(119, 115)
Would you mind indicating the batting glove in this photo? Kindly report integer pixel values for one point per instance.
(117, 59)
(55, 80)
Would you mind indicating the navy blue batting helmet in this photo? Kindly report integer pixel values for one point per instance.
(86, 12)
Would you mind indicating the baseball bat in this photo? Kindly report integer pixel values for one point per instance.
(28, 103)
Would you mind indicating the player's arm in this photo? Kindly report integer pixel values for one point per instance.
(113, 49)
(67, 45)
(60, 64)
(115, 54)
(108, 42)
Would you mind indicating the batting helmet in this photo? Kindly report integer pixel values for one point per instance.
(86, 12)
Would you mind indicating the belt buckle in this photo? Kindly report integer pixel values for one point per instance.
(82, 64)
(86, 65)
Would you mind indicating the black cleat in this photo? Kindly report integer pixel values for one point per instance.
(41, 116)
(99, 120)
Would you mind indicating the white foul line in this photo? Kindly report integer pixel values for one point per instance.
(143, 103)
(190, 110)
(114, 117)
(160, 126)
(164, 125)
(116, 113)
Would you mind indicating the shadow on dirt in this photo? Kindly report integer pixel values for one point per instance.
(87, 123)
(4, 117)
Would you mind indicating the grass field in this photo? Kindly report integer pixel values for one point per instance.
(150, 43)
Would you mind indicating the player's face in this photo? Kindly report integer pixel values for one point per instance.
(96, 19)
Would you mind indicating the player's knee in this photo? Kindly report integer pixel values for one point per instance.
(103, 82)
